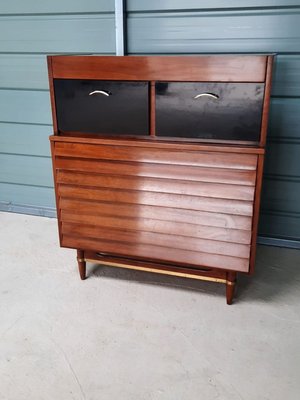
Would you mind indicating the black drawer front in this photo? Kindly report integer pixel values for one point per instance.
(219, 111)
(104, 107)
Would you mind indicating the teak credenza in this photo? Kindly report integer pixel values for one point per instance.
(158, 161)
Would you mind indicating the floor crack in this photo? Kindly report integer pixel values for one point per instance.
(71, 368)
(11, 326)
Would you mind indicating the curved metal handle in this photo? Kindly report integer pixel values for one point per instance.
(104, 92)
(212, 95)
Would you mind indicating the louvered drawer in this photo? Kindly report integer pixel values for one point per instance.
(190, 207)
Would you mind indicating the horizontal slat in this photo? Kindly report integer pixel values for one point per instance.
(281, 195)
(213, 32)
(282, 159)
(25, 139)
(157, 143)
(23, 71)
(238, 177)
(26, 170)
(171, 68)
(191, 188)
(92, 208)
(27, 195)
(286, 77)
(141, 237)
(224, 206)
(25, 106)
(55, 33)
(166, 227)
(279, 225)
(28, 209)
(158, 253)
(55, 6)
(159, 156)
(284, 119)
(158, 5)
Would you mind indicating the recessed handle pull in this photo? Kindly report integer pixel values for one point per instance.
(104, 92)
(99, 254)
(212, 95)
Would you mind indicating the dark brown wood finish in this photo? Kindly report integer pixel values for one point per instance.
(203, 273)
(148, 184)
(230, 286)
(81, 264)
(54, 169)
(226, 68)
(138, 202)
(181, 207)
(223, 206)
(52, 96)
(160, 153)
(198, 217)
(133, 169)
(189, 141)
(152, 109)
(92, 230)
(152, 144)
(266, 105)
(258, 187)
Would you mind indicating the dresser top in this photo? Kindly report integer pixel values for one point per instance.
(204, 68)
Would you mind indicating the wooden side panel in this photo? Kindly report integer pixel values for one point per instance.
(136, 202)
(266, 105)
(260, 166)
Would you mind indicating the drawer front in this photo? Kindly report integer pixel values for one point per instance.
(193, 208)
(218, 111)
(104, 107)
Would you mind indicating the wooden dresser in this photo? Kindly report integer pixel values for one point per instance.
(158, 161)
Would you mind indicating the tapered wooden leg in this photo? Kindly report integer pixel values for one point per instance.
(230, 286)
(81, 264)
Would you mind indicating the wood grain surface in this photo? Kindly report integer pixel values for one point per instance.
(169, 203)
(134, 201)
(233, 68)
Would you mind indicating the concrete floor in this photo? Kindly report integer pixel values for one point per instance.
(131, 335)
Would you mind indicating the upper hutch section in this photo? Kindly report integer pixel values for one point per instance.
(198, 98)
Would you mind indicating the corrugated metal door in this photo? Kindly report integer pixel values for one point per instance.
(219, 26)
(30, 30)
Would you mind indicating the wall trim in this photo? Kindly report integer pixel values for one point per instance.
(268, 241)
(120, 27)
(51, 213)
(26, 209)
